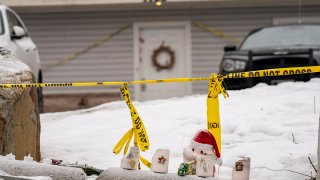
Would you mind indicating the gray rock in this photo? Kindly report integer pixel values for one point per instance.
(19, 114)
(24, 168)
(122, 174)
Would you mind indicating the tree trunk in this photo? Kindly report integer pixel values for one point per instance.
(19, 113)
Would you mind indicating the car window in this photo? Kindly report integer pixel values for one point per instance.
(13, 21)
(283, 36)
(1, 24)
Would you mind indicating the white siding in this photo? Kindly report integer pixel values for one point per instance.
(58, 34)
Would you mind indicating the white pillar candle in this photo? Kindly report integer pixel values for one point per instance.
(131, 161)
(241, 170)
(160, 161)
(205, 166)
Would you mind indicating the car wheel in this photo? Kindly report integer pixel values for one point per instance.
(40, 95)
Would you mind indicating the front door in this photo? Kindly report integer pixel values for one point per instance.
(162, 50)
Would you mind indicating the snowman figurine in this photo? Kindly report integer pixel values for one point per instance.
(203, 150)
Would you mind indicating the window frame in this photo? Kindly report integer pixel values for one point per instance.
(2, 29)
(253, 32)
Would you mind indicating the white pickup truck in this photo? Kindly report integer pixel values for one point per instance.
(14, 37)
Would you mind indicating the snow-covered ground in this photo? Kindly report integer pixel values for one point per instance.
(276, 126)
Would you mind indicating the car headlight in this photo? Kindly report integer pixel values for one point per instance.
(233, 65)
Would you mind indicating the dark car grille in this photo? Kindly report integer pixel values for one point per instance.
(272, 63)
(280, 63)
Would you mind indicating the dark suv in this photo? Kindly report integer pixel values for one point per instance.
(273, 47)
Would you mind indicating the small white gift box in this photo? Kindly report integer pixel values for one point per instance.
(205, 166)
(160, 161)
(131, 161)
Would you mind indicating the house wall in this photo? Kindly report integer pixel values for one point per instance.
(59, 34)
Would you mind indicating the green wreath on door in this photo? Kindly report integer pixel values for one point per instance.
(163, 49)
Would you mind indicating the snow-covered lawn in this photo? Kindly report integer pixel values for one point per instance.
(274, 125)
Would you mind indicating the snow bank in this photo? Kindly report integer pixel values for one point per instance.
(10, 64)
(120, 174)
(6, 177)
(275, 126)
(3, 173)
(24, 168)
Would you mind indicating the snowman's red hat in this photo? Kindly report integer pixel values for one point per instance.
(203, 139)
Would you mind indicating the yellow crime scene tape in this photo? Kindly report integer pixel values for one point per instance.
(97, 43)
(215, 87)
(275, 72)
(107, 38)
(138, 130)
(248, 74)
(216, 32)
(108, 83)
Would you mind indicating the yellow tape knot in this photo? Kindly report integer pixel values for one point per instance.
(216, 85)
